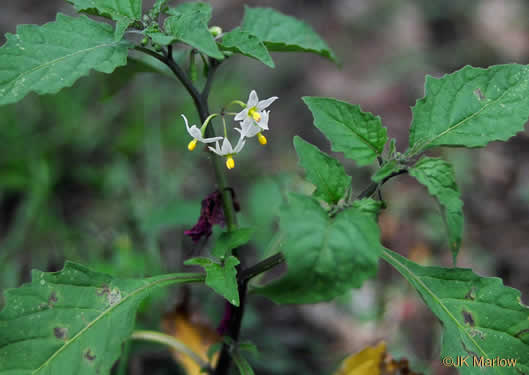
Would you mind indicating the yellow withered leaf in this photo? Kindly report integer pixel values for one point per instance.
(365, 362)
(374, 360)
(195, 334)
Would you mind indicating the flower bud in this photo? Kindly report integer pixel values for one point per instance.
(215, 30)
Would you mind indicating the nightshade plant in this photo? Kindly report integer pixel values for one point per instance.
(76, 320)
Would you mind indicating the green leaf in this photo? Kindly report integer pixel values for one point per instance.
(369, 206)
(387, 170)
(192, 68)
(283, 33)
(247, 346)
(158, 7)
(471, 107)
(246, 44)
(213, 349)
(73, 321)
(438, 176)
(228, 241)
(48, 58)
(222, 278)
(242, 364)
(160, 38)
(480, 316)
(392, 148)
(189, 23)
(124, 12)
(359, 135)
(323, 171)
(325, 256)
(197, 8)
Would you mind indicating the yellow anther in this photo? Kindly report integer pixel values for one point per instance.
(230, 163)
(261, 138)
(191, 146)
(254, 114)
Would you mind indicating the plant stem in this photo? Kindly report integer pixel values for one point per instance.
(234, 328)
(178, 72)
(262, 266)
(201, 103)
(213, 65)
(170, 341)
(374, 186)
(200, 100)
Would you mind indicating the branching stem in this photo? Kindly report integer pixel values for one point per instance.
(200, 98)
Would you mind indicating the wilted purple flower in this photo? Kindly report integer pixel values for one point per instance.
(201, 228)
(211, 213)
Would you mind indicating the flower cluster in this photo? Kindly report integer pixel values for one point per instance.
(253, 120)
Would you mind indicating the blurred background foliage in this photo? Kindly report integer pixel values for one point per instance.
(100, 174)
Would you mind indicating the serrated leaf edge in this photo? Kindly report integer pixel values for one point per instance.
(360, 137)
(175, 278)
(418, 147)
(13, 82)
(391, 259)
(52, 62)
(326, 51)
(114, 13)
(328, 187)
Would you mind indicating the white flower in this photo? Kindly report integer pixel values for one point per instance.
(254, 113)
(196, 133)
(249, 129)
(228, 151)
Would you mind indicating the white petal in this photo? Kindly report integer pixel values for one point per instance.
(193, 130)
(195, 133)
(252, 131)
(245, 129)
(216, 150)
(263, 124)
(241, 115)
(242, 131)
(246, 122)
(210, 140)
(187, 124)
(226, 147)
(252, 100)
(265, 103)
(240, 144)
